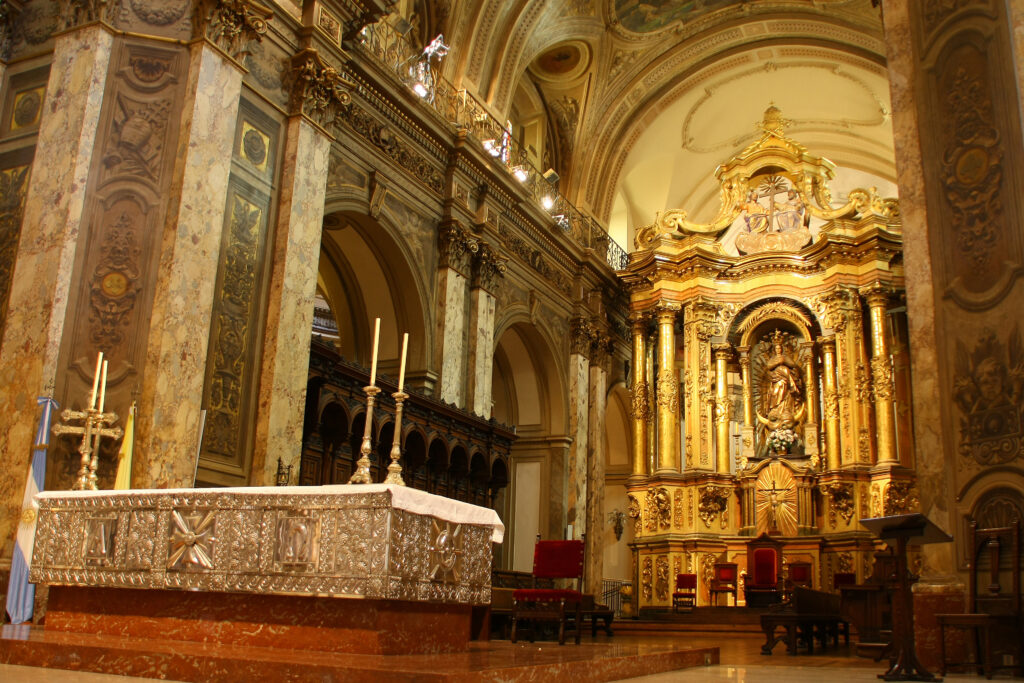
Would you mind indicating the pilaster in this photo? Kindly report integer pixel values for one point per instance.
(668, 391)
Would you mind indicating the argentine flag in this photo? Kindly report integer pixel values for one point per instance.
(20, 593)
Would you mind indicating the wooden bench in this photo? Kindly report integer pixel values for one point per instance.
(809, 614)
(501, 613)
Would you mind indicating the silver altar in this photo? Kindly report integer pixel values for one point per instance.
(371, 541)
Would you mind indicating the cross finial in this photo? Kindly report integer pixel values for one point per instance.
(773, 122)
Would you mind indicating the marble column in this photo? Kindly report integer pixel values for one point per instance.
(55, 204)
(167, 430)
(831, 402)
(668, 391)
(296, 253)
(639, 410)
(581, 337)
(723, 354)
(488, 267)
(881, 372)
(593, 569)
(456, 247)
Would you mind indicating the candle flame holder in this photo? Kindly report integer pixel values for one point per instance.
(362, 473)
(93, 428)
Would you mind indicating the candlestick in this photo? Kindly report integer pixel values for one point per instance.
(103, 387)
(401, 373)
(362, 472)
(95, 380)
(373, 364)
(395, 469)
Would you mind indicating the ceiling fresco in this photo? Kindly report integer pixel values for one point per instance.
(654, 15)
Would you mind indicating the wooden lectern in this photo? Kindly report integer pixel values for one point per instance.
(902, 530)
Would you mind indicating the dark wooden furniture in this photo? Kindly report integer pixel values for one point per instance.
(868, 606)
(900, 530)
(764, 572)
(799, 574)
(685, 594)
(551, 560)
(994, 616)
(597, 614)
(725, 579)
(808, 615)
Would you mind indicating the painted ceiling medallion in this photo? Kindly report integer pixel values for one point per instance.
(563, 62)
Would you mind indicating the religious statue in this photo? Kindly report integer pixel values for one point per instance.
(783, 402)
(789, 213)
(754, 214)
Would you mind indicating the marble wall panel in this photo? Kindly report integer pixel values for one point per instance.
(169, 409)
(597, 407)
(296, 250)
(54, 206)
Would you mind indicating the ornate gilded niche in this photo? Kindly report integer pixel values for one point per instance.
(774, 196)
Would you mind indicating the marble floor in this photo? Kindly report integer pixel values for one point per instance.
(741, 659)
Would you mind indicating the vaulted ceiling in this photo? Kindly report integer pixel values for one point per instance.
(636, 103)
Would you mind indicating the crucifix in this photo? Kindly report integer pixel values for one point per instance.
(772, 507)
(772, 186)
(95, 426)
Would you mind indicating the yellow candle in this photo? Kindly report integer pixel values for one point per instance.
(95, 380)
(373, 364)
(401, 373)
(103, 387)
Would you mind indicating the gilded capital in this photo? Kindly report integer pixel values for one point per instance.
(456, 247)
(319, 91)
(488, 267)
(827, 344)
(877, 295)
(230, 24)
(723, 351)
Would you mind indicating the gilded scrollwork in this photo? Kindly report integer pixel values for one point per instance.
(840, 501)
(900, 498)
(707, 568)
(668, 390)
(633, 510)
(640, 402)
(677, 509)
(658, 509)
(114, 288)
(988, 388)
(661, 580)
(647, 579)
(713, 500)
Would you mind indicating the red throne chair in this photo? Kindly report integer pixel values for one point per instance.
(551, 560)
(764, 572)
(685, 594)
(724, 580)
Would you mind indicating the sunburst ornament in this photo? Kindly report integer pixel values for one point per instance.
(445, 551)
(776, 501)
(192, 540)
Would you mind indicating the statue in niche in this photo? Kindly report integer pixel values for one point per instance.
(783, 404)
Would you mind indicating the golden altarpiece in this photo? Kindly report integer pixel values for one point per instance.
(770, 374)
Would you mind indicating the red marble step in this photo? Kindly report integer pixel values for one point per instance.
(215, 663)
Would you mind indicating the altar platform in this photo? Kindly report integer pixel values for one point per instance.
(600, 659)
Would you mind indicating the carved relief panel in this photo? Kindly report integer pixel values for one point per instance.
(111, 298)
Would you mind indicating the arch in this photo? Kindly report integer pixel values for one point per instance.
(458, 473)
(367, 270)
(479, 474)
(382, 453)
(618, 432)
(437, 466)
(751, 319)
(415, 459)
(527, 375)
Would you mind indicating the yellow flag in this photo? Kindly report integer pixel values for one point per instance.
(124, 456)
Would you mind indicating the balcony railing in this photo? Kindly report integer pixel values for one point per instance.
(463, 111)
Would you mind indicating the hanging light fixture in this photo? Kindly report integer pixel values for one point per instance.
(421, 77)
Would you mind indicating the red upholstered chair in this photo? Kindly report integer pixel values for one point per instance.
(685, 594)
(551, 560)
(724, 580)
(764, 572)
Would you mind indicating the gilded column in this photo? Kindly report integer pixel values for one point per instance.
(747, 431)
(284, 370)
(639, 400)
(813, 423)
(831, 401)
(723, 354)
(668, 391)
(55, 205)
(651, 457)
(881, 372)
